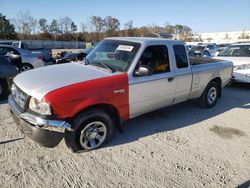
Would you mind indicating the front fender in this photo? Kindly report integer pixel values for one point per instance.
(68, 101)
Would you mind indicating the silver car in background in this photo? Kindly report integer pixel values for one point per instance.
(29, 60)
(239, 54)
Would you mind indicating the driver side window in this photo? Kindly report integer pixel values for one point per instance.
(156, 59)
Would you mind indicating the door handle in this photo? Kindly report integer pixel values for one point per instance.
(170, 79)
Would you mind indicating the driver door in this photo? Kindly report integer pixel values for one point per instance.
(151, 92)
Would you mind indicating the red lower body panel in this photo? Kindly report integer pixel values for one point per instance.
(111, 90)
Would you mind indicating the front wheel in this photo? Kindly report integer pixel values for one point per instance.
(210, 95)
(91, 130)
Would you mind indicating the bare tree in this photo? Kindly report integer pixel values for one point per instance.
(155, 28)
(25, 23)
(169, 28)
(129, 29)
(111, 25)
(129, 25)
(65, 24)
(34, 24)
(54, 28)
(83, 27)
(43, 25)
(98, 24)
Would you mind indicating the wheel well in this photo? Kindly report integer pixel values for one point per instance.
(4, 82)
(111, 110)
(218, 81)
(28, 65)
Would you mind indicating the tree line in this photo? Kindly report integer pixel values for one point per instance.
(25, 26)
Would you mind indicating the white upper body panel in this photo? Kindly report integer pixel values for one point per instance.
(38, 82)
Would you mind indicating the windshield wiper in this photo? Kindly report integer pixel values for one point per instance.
(105, 66)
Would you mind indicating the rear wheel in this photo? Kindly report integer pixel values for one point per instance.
(91, 130)
(26, 67)
(210, 95)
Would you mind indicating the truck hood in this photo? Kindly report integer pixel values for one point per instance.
(236, 60)
(38, 82)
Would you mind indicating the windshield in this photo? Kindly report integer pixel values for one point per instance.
(237, 51)
(113, 54)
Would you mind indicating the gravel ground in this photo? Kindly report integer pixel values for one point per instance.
(179, 146)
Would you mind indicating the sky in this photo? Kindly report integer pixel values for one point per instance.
(200, 15)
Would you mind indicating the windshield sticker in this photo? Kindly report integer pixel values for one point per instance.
(125, 48)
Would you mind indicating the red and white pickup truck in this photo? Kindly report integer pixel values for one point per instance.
(120, 79)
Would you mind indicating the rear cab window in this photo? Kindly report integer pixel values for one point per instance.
(180, 56)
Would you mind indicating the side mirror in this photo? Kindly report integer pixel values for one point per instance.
(143, 70)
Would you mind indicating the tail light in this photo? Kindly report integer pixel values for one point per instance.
(40, 57)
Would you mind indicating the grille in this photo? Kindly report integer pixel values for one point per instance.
(19, 96)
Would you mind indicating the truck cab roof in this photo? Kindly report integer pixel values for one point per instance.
(144, 40)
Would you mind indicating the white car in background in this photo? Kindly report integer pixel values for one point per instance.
(239, 54)
(29, 60)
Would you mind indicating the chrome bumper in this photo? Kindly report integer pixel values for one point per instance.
(54, 125)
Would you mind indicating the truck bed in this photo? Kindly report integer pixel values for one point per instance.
(198, 61)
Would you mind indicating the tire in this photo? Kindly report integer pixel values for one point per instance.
(91, 130)
(210, 95)
(26, 67)
(3, 89)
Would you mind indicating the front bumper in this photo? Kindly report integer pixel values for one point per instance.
(47, 133)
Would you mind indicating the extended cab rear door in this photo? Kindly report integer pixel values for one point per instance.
(182, 73)
(150, 92)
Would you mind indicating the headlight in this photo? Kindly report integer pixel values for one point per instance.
(242, 67)
(40, 107)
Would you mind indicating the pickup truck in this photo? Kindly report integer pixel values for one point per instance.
(120, 79)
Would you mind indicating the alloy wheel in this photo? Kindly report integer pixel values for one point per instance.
(93, 135)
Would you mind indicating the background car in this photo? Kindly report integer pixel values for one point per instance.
(72, 57)
(219, 49)
(239, 54)
(29, 60)
(7, 72)
(46, 53)
(189, 47)
(198, 51)
(201, 48)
